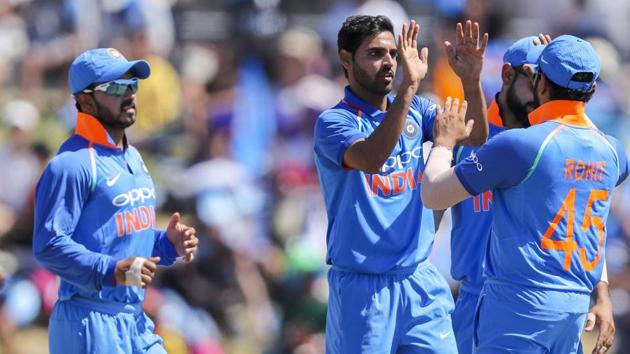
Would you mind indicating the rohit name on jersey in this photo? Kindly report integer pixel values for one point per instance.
(584, 170)
(396, 177)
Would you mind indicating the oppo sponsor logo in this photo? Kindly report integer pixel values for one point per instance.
(474, 159)
(400, 160)
(134, 196)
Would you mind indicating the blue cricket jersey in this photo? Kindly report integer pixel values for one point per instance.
(551, 185)
(472, 220)
(376, 222)
(95, 205)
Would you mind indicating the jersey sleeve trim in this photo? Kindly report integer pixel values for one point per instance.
(467, 186)
(458, 155)
(346, 144)
(541, 150)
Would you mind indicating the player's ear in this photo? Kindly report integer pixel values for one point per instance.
(86, 102)
(346, 58)
(529, 71)
(507, 73)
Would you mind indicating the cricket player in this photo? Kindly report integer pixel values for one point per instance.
(472, 217)
(551, 186)
(95, 217)
(385, 296)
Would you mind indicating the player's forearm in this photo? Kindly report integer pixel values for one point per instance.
(601, 293)
(73, 262)
(440, 186)
(370, 154)
(477, 111)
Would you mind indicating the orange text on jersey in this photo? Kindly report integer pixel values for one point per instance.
(584, 170)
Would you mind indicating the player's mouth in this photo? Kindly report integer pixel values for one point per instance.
(388, 76)
(128, 107)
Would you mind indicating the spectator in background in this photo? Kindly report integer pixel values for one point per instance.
(14, 41)
(19, 164)
(299, 53)
(345, 8)
(160, 94)
(54, 41)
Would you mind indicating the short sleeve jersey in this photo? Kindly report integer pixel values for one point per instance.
(551, 186)
(376, 222)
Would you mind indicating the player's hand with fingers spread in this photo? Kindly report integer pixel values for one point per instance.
(414, 63)
(601, 315)
(184, 238)
(542, 39)
(136, 271)
(450, 126)
(466, 57)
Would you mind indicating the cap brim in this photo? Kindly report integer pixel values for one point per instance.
(139, 69)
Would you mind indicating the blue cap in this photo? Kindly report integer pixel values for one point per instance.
(566, 56)
(103, 65)
(524, 51)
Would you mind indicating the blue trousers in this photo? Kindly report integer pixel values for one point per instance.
(463, 318)
(390, 313)
(79, 326)
(510, 319)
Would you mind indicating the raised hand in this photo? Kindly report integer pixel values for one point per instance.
(414, 64)
(450, 126)
(136, 271)
(466, 57)
(183, 238)
(542, 39)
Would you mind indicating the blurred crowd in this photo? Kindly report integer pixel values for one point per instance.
(225, 126)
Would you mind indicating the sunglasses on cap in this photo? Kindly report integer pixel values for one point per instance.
(116, 87)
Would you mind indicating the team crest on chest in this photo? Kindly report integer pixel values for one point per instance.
(411, 129)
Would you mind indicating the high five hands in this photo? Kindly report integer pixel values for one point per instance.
(466, 56)
(414, 63)
(450, 125)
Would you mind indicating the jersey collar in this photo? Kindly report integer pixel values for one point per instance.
(92, 130)
(362, 107)
(564, 111)
(494, 115)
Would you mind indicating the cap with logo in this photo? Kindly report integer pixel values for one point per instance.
(570, 62)
(524, 51)
(103, 65)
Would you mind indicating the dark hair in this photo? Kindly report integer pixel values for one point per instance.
(356, 28)
(557, 92)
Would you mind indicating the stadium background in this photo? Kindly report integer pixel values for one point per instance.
(225, 124)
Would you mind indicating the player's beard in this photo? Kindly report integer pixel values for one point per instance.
(120, 121)
(518, 109)
(370, 83)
